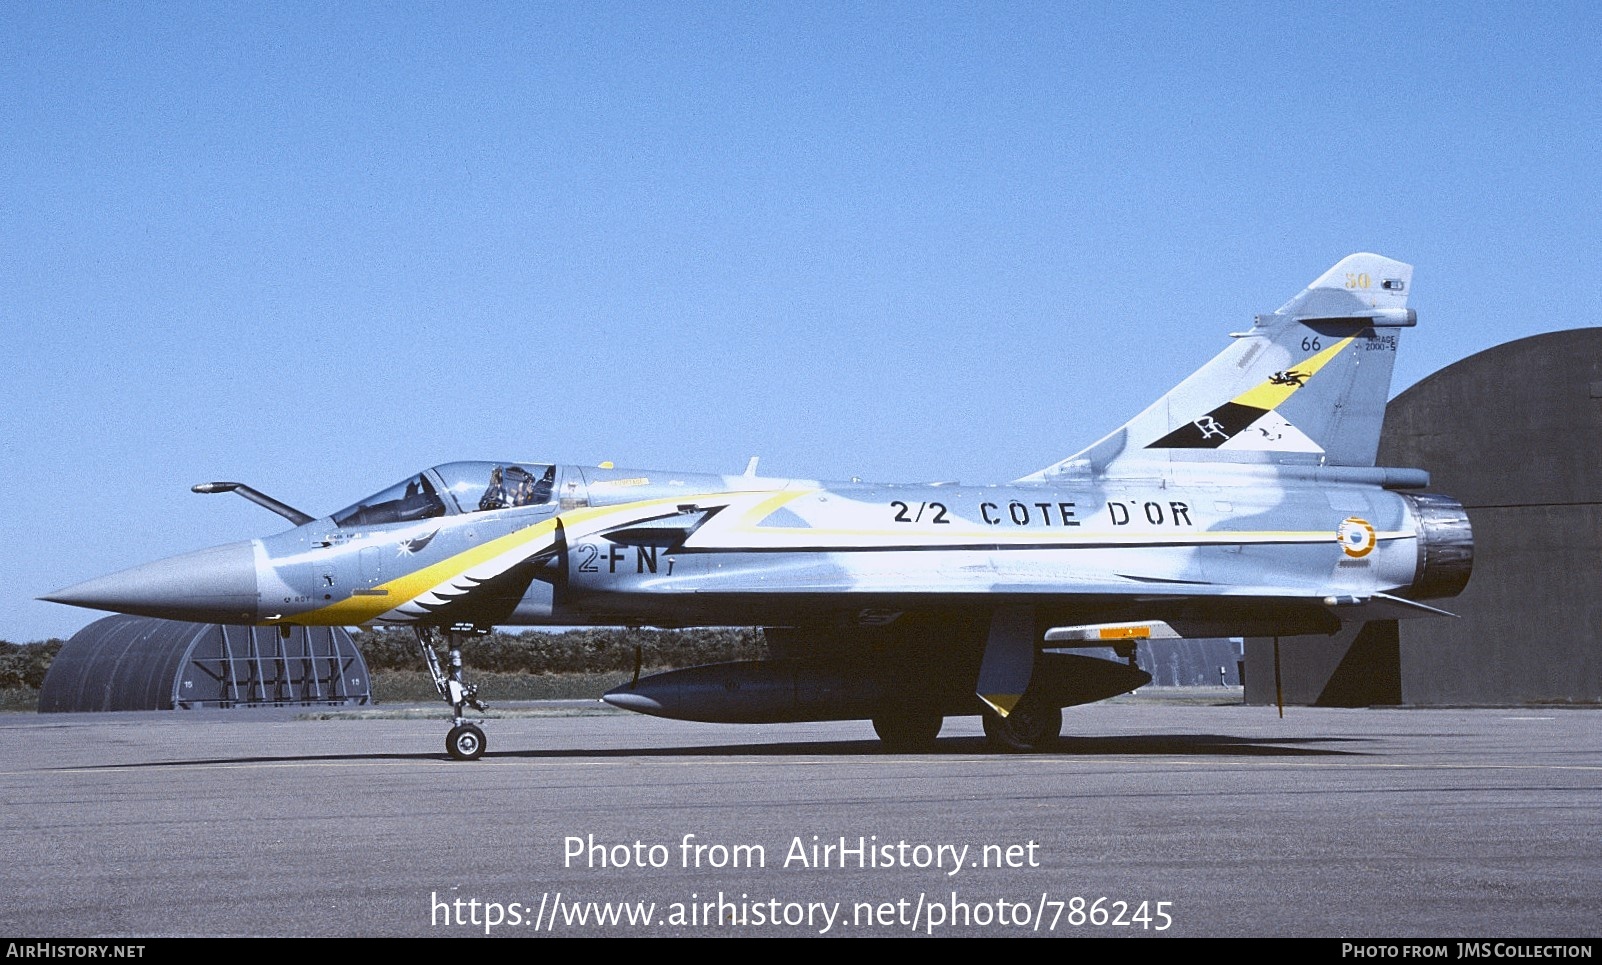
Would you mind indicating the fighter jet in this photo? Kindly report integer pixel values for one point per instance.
(1244, 502)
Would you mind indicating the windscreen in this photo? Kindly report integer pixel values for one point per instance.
(408, 500)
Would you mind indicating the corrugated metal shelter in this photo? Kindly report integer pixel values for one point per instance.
(140, 663)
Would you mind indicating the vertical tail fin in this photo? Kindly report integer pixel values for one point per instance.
(1307, 385)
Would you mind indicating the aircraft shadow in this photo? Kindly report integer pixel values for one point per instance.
(1142, 745)
(1146, 745)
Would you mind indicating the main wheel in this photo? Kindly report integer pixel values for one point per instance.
(907, 731)
(465, 742)
(1028, 728)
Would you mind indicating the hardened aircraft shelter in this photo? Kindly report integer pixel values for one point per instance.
(1515, 433)
(140, 663)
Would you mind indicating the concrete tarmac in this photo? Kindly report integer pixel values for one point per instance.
(1156, 817)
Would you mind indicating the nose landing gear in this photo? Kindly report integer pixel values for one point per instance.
(466, 741)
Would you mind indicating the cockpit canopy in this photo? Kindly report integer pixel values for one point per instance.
(456, 487)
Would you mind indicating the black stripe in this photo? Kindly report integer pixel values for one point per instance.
(1211, 430)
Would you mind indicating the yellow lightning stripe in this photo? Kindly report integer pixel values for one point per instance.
(360, 609)
(1269, 396)
(766, 507)
(403, 589)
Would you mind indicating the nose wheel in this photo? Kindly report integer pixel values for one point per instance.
(465, 742)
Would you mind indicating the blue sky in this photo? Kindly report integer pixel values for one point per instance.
(316, 247)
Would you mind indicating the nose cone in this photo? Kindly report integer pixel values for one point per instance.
(216, 585)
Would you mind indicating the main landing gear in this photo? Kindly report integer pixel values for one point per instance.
(1030, 727)
(907, 731)
(466, 741)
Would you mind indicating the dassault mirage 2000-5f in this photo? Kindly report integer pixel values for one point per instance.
(1245, 502)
